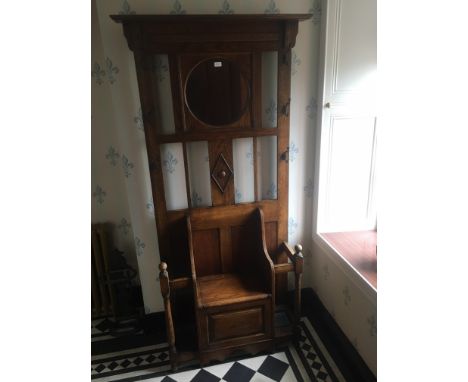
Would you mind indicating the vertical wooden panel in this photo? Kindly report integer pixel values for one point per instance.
(187, 180)
(147, 99)
(284, 98)
(283, 110)
(242, 247)
(216, 148)
(96, 298)
(103, 243)
(179, 261)
(271, 237)
(98, 262)
(177, 96)
(255, 164)
(226, 249)
(256, 110)
(206, 252)
(257, 90)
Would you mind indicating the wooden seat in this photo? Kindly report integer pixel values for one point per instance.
(227, 289)
(234, 296)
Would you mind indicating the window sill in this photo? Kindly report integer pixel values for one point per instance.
(347, 267)
(359, 249)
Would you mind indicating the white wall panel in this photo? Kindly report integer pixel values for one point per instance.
(172, 159)
(243, 158)
(199, 173)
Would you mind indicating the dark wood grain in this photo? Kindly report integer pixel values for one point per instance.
(213, 134)
(215, 150)
(222, 253)
(284, 97)
(359, 248)
(207, 252)
(236, 19)
(224, 289)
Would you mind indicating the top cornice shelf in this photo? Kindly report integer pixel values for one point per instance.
(235, 33)
(210, 18)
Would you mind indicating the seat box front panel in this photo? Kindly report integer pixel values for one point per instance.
(237, 324)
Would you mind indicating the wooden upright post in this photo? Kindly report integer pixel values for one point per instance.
(166, 293)
(298, 266)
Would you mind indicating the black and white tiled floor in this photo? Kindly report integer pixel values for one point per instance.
(307, 360)
(266, 368)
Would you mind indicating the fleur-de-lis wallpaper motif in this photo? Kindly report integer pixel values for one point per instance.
(150, 206)
(237, 196)
(169, 162)
(196, 199)
(99, 194)
(309, 188)
(372, 325)
(127, 166)
(271, 8)
(312, 108)
(293, 151)
(124, 226)
(326, 272)
(138, 119)
(292, 225)
(112, 156)
(316, 10)
(159, 68)
(271, 111)
(249, 156)
(226, 8)
(347, 295)
(272, 191)
(177, 8)
(97, 73)
(111, 70)
(140, 246)
(126, 10)
(296, 62)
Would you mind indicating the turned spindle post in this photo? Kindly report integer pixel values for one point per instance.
(298, 266)
(166, 293)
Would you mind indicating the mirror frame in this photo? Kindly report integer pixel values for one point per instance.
(246, 102)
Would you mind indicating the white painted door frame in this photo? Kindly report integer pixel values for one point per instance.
(343, 104)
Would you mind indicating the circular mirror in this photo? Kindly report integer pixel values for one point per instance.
(216, 92)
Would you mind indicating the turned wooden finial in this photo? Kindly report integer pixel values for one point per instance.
(298, 248)
(162, 266)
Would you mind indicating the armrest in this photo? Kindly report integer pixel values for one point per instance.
(181, 283)
(295, 256)
(297, 265)
(284, 268)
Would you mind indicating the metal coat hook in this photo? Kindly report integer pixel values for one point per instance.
(285, 156)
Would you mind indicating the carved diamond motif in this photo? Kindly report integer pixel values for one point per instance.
(221, 173)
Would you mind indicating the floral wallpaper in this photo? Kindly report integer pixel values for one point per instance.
(121, 189)
(111, 166)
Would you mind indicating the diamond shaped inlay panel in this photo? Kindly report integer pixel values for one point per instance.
(222, 173)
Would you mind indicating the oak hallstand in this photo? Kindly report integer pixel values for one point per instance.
(229, 260)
